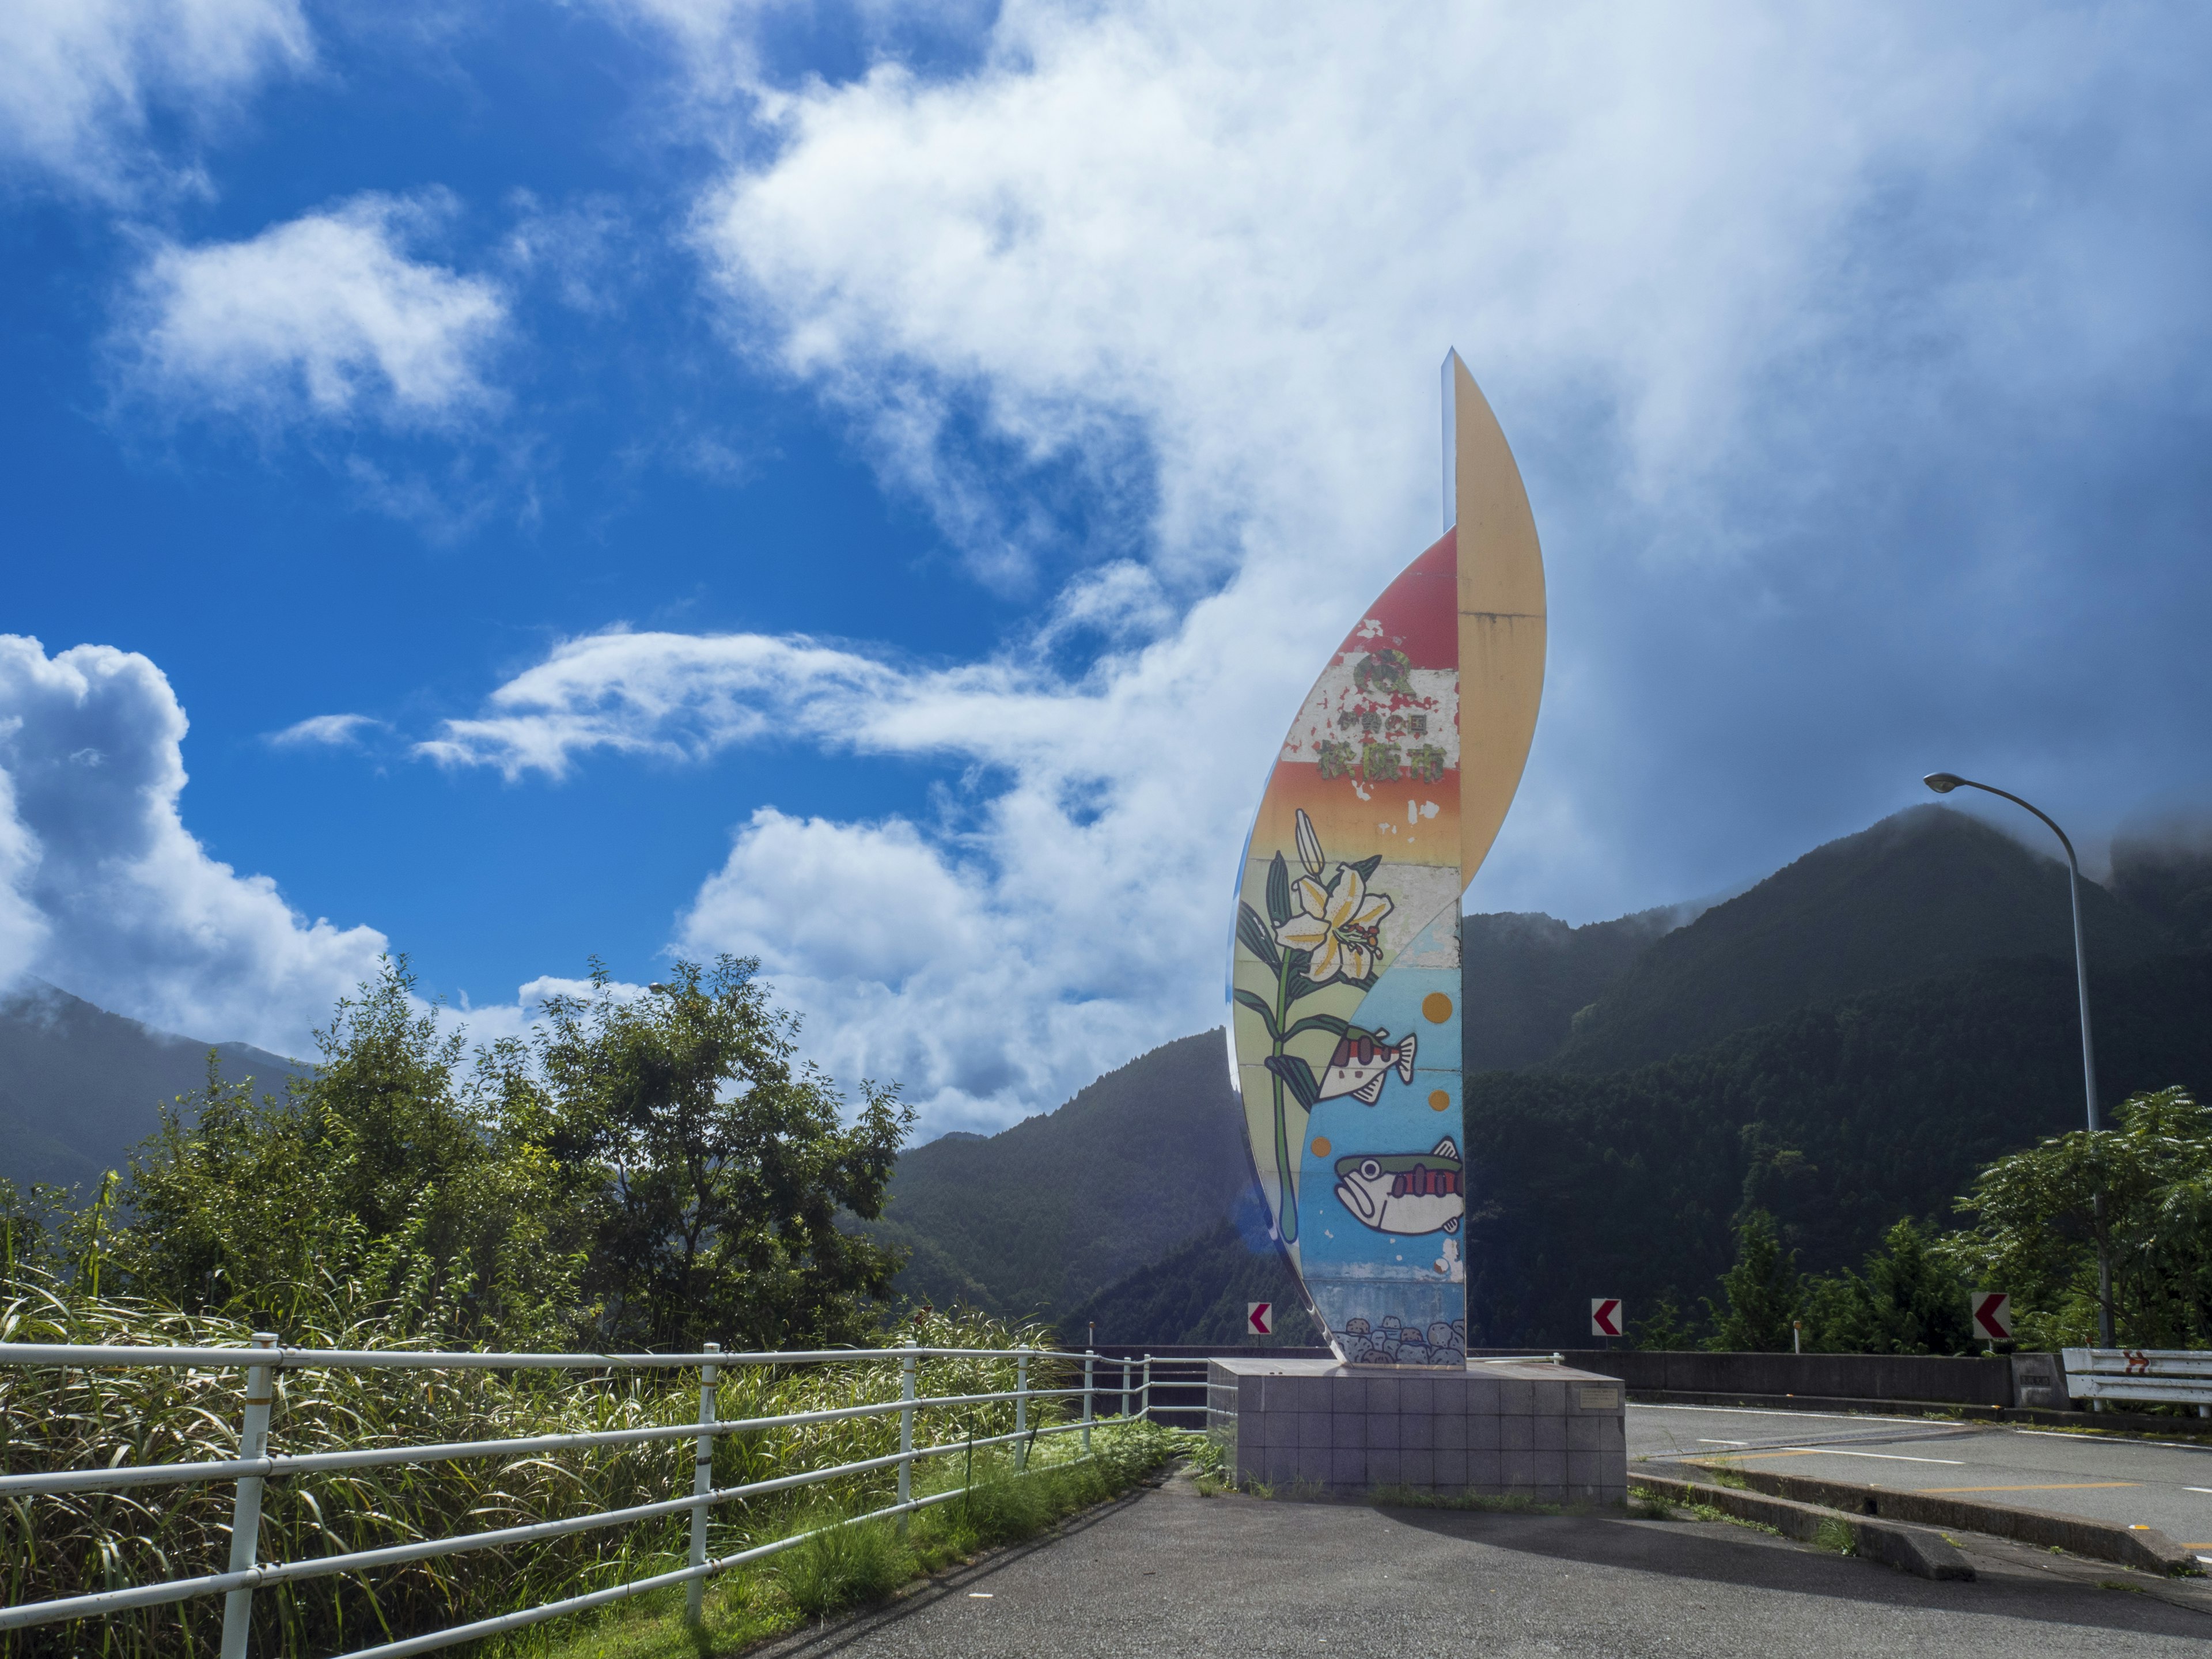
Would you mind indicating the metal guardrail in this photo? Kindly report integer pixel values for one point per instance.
(2172, 1377)
(255, 1465)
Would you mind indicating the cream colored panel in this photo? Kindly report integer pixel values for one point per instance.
(1501, 619)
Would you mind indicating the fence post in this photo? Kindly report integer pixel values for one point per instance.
(703, 1482)
(1090, 1358)
(1146, 1396)
(246, 1509)
(1022, 1405)
(906, 1436)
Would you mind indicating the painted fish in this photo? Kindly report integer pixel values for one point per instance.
(1407, 1191)
(1363, 1062)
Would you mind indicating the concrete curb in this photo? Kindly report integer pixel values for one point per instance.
(2144, 1548)
(1921, 1555)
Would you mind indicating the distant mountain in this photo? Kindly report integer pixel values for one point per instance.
(1529, 975)
(1199, 1292)
(1844, 1043)
(2169, 877)
(1927, 892)
(1032, 1220)
(1839, 1119)
(80, 1087)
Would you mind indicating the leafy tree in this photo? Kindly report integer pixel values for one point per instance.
(35, 1233)
(1908, 1299)
(391, 1182)
(2037, 1227)
(712, 1165)
(1762, 1289)
(1663, 1327)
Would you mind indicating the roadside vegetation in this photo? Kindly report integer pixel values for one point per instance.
(646, 1175)
(2032, 1224)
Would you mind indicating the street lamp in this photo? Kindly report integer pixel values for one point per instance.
(1943, 783)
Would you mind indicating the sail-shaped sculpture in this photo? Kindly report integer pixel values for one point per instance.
(1345, 968)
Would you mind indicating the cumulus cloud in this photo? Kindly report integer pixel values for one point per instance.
(81, 80)
(104, 892)
(325, 318)
(1804, 327)
(1802, 324)
(994, 958)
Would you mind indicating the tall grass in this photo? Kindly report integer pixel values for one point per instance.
(64, 1545)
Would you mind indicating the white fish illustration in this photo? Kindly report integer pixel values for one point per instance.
(1404, 1193)
(1363, 1062)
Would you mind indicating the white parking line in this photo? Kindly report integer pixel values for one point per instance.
(2060, 1434)
(1887, 1457)
(1764, 1411)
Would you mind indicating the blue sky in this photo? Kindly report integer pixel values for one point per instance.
(867, 485)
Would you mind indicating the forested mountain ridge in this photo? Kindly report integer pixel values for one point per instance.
(1844, 1043)
(1926, 892)
(1528, 975)
(81, 1087)
(1840, 1119)
(1033, 1219)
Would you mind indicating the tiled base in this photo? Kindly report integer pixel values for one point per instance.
(1538, 1430)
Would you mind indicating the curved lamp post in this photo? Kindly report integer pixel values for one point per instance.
(1943, 783)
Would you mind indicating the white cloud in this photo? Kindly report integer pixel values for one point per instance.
(106, 893)
(81, 80)
(324, 731)
(675, 696)
(325, 317)
(996, 961)
(1728, 278)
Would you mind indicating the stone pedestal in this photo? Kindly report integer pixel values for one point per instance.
(1509, 1427)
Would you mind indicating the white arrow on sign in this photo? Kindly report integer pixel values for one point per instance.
(1605, 1316)
(1259, 1316)
(1992, 1311)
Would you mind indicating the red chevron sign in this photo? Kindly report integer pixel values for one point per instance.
(1992, 1311)
(1259, 1317)
(1605, 1316)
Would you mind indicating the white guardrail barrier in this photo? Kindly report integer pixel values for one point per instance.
(256, 1464)
(2170, 1376)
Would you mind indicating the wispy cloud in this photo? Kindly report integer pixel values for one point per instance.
(324, 731)
(81, 80)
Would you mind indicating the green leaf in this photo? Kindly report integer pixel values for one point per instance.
(1297, 1075)
(1278, 891)
(1330, 1022)
(1367, 867)
(1252, 1000)
(1252, 934)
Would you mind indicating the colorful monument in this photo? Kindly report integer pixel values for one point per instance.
(1344, 973)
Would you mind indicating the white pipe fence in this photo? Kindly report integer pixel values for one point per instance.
(256, 1465)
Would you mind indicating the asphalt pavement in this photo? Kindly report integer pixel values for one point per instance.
(1169, 1573)
(2165, 1485)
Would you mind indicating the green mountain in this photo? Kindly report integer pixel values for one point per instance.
(80, 1087)
(1839, 1119)
(1925, 893)
(1199, 1292)
(1529, 975)
(1845, 1043)
(1033, 1219)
